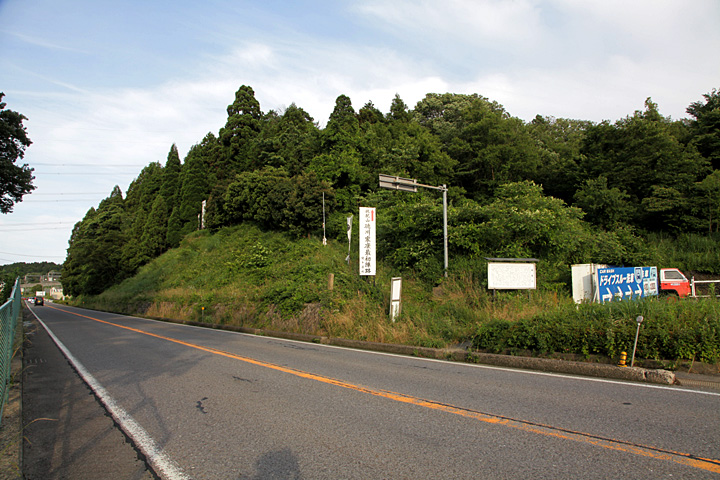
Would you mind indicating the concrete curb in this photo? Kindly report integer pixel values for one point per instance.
(600, 370)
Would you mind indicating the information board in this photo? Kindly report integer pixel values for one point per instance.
(511, 276)
(626, 282)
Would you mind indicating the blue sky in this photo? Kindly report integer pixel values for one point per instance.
(109, 86)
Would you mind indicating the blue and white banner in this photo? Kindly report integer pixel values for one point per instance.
(626, 282)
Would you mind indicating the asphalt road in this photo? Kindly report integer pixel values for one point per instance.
(67, 433)
(210, 404)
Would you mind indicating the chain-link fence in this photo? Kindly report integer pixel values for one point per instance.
(9, 314)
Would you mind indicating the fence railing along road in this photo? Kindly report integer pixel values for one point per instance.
(9, 314)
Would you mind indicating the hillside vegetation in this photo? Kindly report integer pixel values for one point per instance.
(643, 190)
(242, 276)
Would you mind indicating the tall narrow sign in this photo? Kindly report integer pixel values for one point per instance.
(349, 230)
(367, 241)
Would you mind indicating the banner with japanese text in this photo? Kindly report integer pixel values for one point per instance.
(367, 240)
(618, 283)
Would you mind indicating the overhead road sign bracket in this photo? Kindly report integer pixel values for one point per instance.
(398, 183)
(410, 185)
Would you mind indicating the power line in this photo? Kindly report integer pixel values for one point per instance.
(79, 193)
(88, 165)
(55, 201)
(34, 229)
(31, 256)
(80, 173)
(36, 224)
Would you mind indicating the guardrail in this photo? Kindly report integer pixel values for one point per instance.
(711, 290)
(9, 314)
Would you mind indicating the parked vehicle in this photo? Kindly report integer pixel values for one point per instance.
(674, 282)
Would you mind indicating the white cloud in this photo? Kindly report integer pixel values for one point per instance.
(475, 21)
(565, 58)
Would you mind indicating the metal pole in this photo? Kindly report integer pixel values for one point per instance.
(410, 185)
(639, 320)
(445, 236)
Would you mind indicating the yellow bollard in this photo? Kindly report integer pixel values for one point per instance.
(623, 357)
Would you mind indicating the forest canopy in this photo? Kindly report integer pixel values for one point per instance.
(563, 190)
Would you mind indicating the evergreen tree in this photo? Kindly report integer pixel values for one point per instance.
(153, 240)
(94, 258)
(559, 141)
(706, 127)
(490, 146)
(340, 163)
(642, 156)
(341, 132)
(171, 177)
(289, 141)
(369, 114)
(399, 110)
(193, 191)
(241, 130)
(140, 197)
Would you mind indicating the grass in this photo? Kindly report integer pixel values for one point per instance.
(246, 277)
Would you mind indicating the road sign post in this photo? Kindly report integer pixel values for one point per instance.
(411, 185)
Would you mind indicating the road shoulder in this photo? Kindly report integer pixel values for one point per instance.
(68, 433)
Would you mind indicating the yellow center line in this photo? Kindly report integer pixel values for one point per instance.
(710, 465)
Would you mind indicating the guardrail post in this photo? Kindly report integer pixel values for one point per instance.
(692, 286)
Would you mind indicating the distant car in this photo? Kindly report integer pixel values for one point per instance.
(39, 301)
(31, 299)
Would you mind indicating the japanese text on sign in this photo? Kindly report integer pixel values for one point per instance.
(626, 282)
(367, 241)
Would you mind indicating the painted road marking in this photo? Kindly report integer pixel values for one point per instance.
(161, 463)
(711, 465)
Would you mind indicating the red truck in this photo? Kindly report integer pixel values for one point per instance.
(673, 282)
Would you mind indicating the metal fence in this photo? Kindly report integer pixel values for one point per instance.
(698, 288)
(9, 314)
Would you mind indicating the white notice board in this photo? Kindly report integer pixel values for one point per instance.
(511, 276)
(395, 289)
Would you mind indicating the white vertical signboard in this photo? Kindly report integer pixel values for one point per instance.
(367, 241)
(395, 289)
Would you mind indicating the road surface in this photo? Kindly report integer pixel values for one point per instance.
(211, 404)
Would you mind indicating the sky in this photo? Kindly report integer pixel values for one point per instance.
(109, 86)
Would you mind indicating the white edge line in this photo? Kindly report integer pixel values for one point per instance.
(161, 463)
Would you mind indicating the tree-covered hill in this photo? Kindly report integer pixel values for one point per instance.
(19, 269)
(565, 191)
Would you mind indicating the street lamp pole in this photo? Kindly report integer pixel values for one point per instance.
(410, 185)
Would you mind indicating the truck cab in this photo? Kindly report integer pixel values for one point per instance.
(673, 282)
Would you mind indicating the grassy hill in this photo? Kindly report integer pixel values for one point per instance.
(246, 277)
